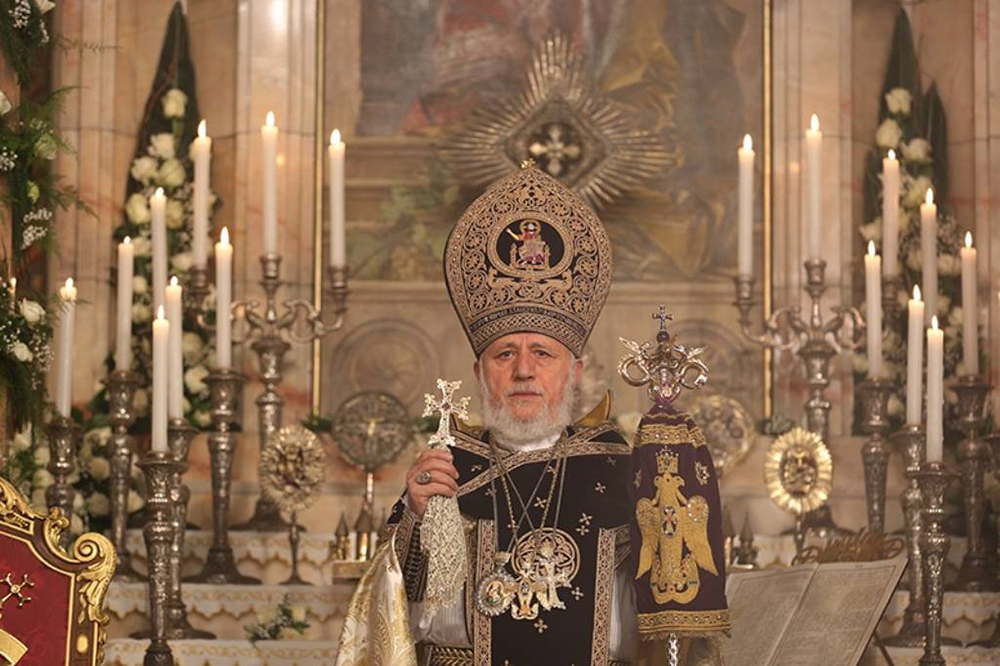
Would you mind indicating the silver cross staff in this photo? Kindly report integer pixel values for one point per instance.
(446, 406)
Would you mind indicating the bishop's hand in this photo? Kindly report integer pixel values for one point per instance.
(432, 474)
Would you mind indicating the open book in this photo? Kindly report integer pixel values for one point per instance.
(808, 615)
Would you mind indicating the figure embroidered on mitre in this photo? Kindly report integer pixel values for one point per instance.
(669, 522)
(533, 253)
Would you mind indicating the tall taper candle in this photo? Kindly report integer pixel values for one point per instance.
(890, 214)
(161, 344)
(873, 309)
(970, 308)
(223, 300)
(64, 353)
(269, 138)
(175, 374)
(915, 359)
(928, 254)
(123, 317)
(744, 245)
(814, 167)
(935, 391)
(335, 152)
(158, 208)
(201, 155)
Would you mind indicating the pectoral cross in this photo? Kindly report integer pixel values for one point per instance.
(445, 406)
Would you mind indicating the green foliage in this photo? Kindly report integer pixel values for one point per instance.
(22, 31)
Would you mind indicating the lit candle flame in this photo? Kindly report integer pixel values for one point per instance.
(173, 281)
(930, 196)
(892, 154)
(814, 123)
(224, 236)
(968, 239)
(69, 283)
(159, 192)
(916, 292)
(269, 121)
(335, 137)
(127, 240)
(871, 248)
(934, 323)
(202, 129)
(747, 142)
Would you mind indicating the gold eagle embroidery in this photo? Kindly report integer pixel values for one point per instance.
(669, 522)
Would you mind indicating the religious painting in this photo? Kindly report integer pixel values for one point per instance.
(682, 78)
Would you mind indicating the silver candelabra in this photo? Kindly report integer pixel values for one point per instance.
(270, 333)
(934, 478)
(122, 385)
(875, 394)
(63, 438)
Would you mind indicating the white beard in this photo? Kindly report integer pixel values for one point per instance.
(513, 433)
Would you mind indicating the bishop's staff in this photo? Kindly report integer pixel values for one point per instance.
(442, 532)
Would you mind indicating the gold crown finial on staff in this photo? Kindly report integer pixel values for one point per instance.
(662, 366)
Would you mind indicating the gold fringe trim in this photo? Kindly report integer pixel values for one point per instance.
(705, 624)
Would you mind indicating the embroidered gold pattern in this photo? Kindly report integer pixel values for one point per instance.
(600, 650)
(662, 433)
(584, 527)
(701, 471)
(482, 633)
(600, 487)
(668, 522)
(681, 621)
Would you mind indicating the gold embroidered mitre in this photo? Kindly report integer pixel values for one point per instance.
(528, 255)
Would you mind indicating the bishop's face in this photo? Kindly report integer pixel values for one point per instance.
(529, 378)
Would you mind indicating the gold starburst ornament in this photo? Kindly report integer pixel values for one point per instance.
(798, 471)
(291, 467)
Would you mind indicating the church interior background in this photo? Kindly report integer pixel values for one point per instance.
(434, 98)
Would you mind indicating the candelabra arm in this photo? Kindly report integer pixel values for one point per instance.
(835, 328)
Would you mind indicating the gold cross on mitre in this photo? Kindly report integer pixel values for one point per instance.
(445, 406)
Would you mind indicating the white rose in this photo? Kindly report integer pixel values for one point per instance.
(182, 261)
(913, 260)
(903, 219)
(139, 284)
(45, 6)
(5, 105)
(175, 214)
(888, 134)
(944, 304)
(174, 102)
(859, 360)
(899, 100)
(22, 439)
(298, 614)
(916, 191)
(32, 311)
(194, 379)
(102, 435)
(917, 150)
(135, 502)
(98, 505)
(141, 313)
(143, 169)
(38, 500)
(896, 406)
(203, 419)
(21, 352)
(76, 524)
(99, 469)
(137, 209)
(955, 317)
(192, 346)
(87, 449)
(77, 502)
(42, 456)
(949, 264)
(41, 478)
(141, 402)
(143, 246)
(171, 173)
(871, 231)
(288, 634)
(162, 145)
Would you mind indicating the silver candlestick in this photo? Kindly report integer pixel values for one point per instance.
(933, 478)
(122, 385)
(816, 340)
(269, 331)
(875, 452)
(159, 468)
(973, 456)
(225, 386)
(993, 441)
(63, 437)
(293, 541)
(179, 436)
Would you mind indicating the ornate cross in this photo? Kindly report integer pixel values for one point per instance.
(663, 317)
(445, 406)
(14, 590)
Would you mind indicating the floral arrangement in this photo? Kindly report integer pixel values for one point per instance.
(22, 31)
(282, 623)
(912, 124)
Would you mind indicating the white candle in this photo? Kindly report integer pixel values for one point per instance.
(223, 299)
(64, 352)
(269, 138)
(201, 155)
(123, 319)
(158, 208)
(970, 307)
(175, 314)
(935, 392)
(337, 229)
(890, 214)
(744, 246)
(814, 153)
(928, 253)
(915, 359)
(161, 343)
(873, 316)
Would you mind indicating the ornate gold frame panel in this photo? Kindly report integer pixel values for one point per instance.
(89, 566)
